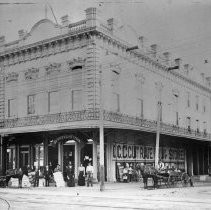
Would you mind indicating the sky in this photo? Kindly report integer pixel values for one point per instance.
(181, 27)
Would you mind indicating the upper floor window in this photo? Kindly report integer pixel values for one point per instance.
(12, 106)
(188, 99)
(31, 104)
(204, 106)
(197, 103)
(116, 102)
(74, 68)
(197, 126)
(140, 107)
(205, 127)
(177, 118)
(189, 123)
(76, 99)
(53, 101)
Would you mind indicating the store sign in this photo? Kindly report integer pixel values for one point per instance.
(139, 152)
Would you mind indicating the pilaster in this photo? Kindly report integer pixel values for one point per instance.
(91, 78)
(2, 95)
(45, 143)
(94, 158)
(60, 155)
(17, 154)
(76, 158)
(3, 160)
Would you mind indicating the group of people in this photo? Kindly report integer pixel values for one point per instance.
(125, 172)
(68, 175)
(43, 176)
(165, 167)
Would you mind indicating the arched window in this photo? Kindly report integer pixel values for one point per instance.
(74, 68)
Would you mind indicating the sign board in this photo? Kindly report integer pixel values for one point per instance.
(58, 177)
(146, 153)
(14, 182)
(25, 181)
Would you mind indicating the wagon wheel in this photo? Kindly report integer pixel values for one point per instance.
(185, 179)
(171, 181)
(165, 180)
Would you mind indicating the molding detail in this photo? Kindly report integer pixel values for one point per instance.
(110, 117)
(31, 74)
(12, 77)
(53, 68)
(76, 62)
(140, 78)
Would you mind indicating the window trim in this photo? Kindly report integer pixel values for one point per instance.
(72, 101)
(49, 98)
(142, 107)
(34, 95)
(9, 108)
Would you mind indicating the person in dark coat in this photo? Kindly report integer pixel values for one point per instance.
(70, 175)
(47, 175)
(20, 176)
(25, 170)
(81, 176)
(36, 178)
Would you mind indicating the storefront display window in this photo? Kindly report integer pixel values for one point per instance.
(39, 155)
(125, 154)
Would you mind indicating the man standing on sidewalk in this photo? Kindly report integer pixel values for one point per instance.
(89, 171)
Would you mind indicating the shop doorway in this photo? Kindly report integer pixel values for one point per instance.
(68, 155)
(53, 155)
(87, 154)
(24, 158)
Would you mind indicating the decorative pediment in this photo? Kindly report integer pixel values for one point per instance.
(44, 29)
(31, 73)
(76, 62)
(12, 77)
(53, 68)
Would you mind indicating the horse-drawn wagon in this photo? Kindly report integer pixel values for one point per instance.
(166, 178)
(172, 178)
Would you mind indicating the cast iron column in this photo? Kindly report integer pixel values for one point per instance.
(102, 176)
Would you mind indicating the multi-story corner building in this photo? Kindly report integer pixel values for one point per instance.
(53, 77)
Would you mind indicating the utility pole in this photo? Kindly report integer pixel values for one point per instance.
(101, 126)
(159, 88)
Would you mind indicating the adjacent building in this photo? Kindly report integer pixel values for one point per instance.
(53, 78)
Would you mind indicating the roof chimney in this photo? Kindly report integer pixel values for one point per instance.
(65, 20)
(178, 62)
(166, 56)
(2, 40)
(208, 79)
(203, 77)
(111, 23)
(21, 33)
(141, 42)
(186, 68)
(154, 50)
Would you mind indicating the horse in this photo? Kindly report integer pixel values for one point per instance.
(148, 171)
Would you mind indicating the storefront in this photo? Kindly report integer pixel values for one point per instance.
(126, 154)
(59, 149)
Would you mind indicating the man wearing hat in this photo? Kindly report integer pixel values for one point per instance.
(89, 171)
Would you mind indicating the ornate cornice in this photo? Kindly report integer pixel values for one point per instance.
(11, 77)
(36, 48)
(31, 74)
(98, 32)
(112, 120)
(152, 61)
